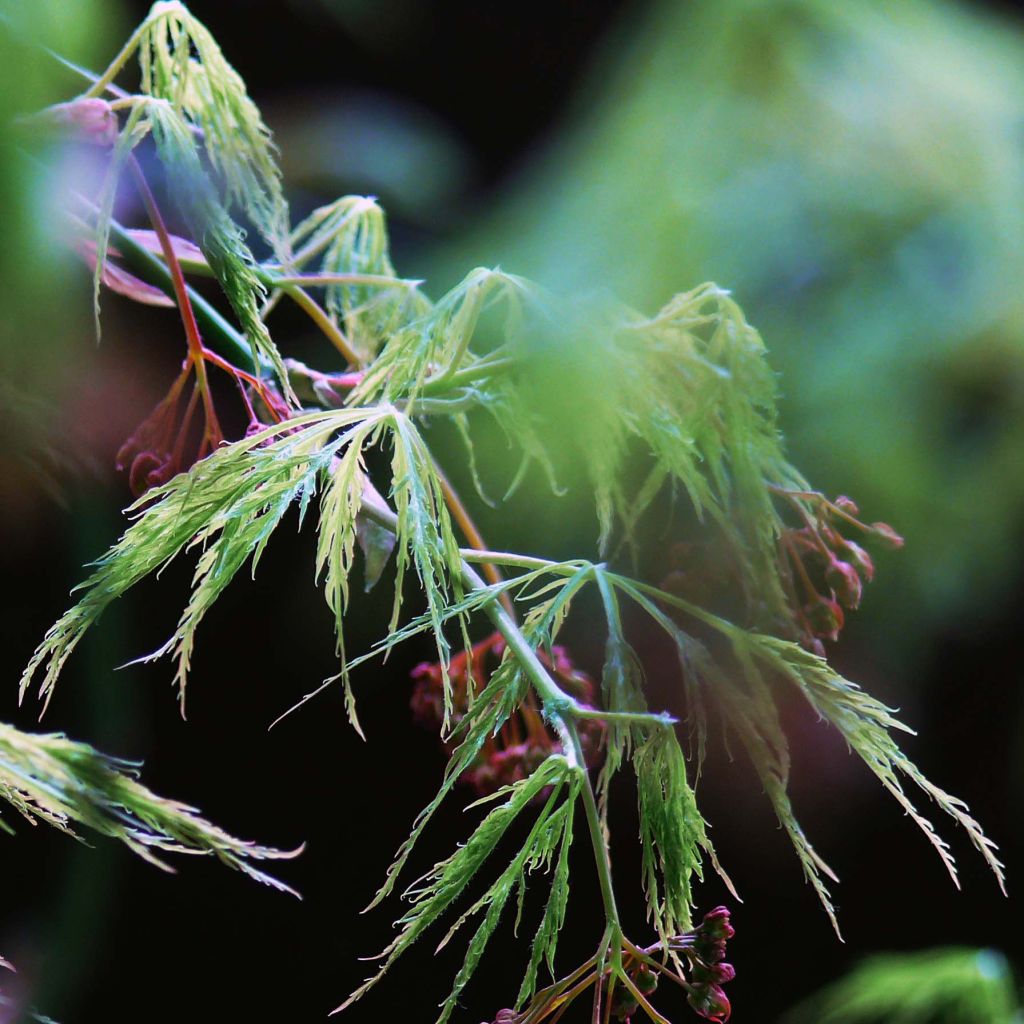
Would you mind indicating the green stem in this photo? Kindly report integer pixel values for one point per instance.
(602, 857)
(484, 368)
(563, 710)
(100, 84)
(280, 280)
(517, 561)
(626, 717)
(558, 705)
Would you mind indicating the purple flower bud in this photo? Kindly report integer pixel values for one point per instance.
(716, 924)
(722, 973)
(710, 1002)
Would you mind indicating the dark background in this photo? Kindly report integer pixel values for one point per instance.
(107, 938)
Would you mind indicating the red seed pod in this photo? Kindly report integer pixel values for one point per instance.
(126, 453)
(144, 464)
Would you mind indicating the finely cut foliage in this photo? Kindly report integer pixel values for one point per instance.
(65, 784)
(229, 504)
(672, 832)
(682, 403)
(363, 295)
(181, 63)
(441, 887)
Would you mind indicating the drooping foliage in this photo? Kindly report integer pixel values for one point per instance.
(681, 404)
(67, 784)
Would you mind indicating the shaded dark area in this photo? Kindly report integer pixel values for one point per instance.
(108, 938)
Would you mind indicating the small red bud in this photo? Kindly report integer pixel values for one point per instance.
(825, 618)
(710, 1002)
(716, 924)
(161, 474)
(886, 535)
(845, 582)
(722, 973)
(860, 559)
(646, 980)
(847, 505)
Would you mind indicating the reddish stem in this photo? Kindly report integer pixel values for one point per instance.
(212, 435)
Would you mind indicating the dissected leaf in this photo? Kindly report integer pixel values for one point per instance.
(53, 779)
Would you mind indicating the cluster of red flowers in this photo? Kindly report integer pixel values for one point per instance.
(704, 949)
(828, 570)
(708, 969)
(524, 741)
